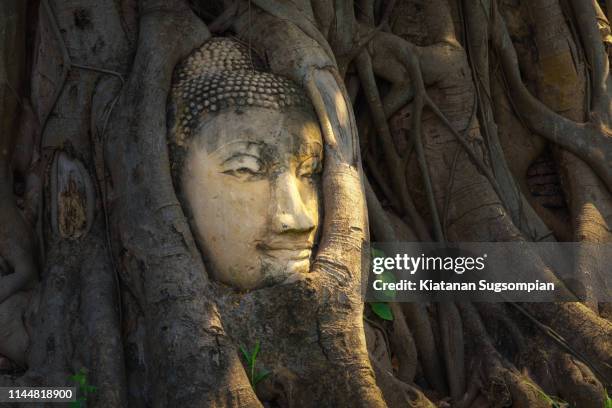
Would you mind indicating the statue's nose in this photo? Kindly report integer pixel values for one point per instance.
(289, 212)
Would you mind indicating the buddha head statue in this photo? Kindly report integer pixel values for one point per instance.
(246, 154)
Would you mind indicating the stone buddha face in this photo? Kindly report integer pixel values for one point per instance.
(251, 182)
(247, 154)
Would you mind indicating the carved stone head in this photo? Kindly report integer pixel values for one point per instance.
(246, 154)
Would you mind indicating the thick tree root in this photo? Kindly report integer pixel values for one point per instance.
(189, 346)
(399, 394)
(591, 141)
(576, 383)
(502, 383)
(190, 359)
(324, 345)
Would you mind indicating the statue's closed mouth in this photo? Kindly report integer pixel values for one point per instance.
(295, 254)
(290, 245)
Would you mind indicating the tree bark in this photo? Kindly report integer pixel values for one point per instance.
(451, 103)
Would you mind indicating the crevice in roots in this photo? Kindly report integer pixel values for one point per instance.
(548, 197)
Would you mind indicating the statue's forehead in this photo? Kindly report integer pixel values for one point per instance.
(260, 129)
(301, 147)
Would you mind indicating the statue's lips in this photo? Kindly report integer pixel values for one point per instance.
(291, 253)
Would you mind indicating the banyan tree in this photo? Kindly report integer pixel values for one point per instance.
(187, 189)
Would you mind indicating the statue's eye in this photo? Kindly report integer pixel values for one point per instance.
(243, 166)
(245, 170)
(309, 167)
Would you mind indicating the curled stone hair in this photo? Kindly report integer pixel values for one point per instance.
(222, 75)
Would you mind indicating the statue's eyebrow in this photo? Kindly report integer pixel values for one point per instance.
(250, 146)
(240, 154)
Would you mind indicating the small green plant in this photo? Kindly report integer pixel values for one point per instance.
(608, 400)
(251, 359)
(84, 389)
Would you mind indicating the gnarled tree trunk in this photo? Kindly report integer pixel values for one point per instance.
(453, 107)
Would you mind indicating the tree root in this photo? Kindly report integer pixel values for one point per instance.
(502, 383)
(397, 393)
(403, 346)
(190, 358)
(186, 343)
(328, 343)
(591, 141)
(17, 244)
(365, 70)
(379, 222)
(14, 338)
(576, 383)
(451, 334)
(420, 326)
(474, 17)
(497, 320)
(580, 332)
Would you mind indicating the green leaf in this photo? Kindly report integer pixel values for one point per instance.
(251, 358)
(255, 351)
(382, 310)
(246, 355)
(608, 401)
(260, 376)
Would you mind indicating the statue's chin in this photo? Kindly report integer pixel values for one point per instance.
(272, 268)
(278, 265)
